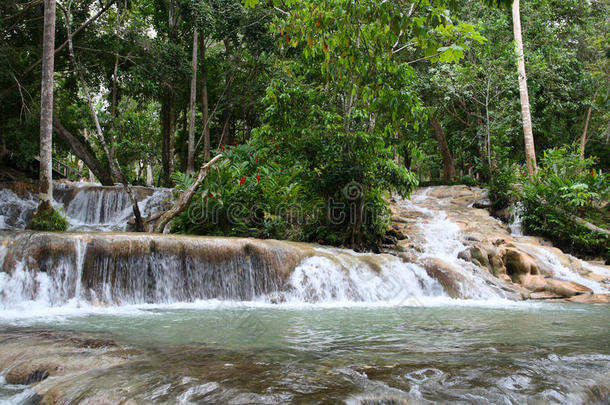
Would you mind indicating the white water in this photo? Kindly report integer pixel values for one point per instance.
(442, 241)
(93, 208)
(330, 277)
(515, 226)
(349, 278)
(561, 272)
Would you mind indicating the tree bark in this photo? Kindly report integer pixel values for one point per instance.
(45, 196)
(583, 137)
(530, 150)
(84, 153)
(204, 105)
(190, 164)
(168, 128)
(185, 199)
(448, 161)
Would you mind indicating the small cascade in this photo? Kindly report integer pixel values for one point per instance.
(338, 275)
(515, 225)
(561, 272)
(441, 242)
(16, 212)
(88, 207)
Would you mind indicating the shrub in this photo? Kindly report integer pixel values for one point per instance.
(567, 188)
(48, 219)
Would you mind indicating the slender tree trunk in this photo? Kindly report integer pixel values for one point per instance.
(168, 129)
(168, 106)
(190, 165)
(226, 118)
(84, 153)
(204, 104)
(45, 196)
(530, 150)
(448, 161)
(583, 137)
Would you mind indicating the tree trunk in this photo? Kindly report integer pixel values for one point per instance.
(448, 161)
(190, 164)
(45, 196)
(226, 118)
(583, 137)
(204, 105)
(530, 150)
(84, 153)
(185, 199)
(168, 128)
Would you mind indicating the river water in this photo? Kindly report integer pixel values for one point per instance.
(240, 321)
(434, 350)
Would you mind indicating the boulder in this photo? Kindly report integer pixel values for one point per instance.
(592, 298)
(448, 275)
(566, 289)
(519, 264)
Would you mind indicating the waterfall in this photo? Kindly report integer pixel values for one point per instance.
(441, 241)
(515, 226)
(338, 275)
(50, 270)
(88, 207)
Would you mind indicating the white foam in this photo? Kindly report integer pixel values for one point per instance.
(563, 273)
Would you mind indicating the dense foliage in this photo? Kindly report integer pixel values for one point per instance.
(321, 108)
(565, 193)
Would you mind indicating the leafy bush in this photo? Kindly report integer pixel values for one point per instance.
(502, 192)
(250, 193)
(565, 192)
(49, 220)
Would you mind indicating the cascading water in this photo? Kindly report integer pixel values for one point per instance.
(87, 206)
(111, 269)
(441, 241)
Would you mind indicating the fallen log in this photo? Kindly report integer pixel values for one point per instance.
(185, 199)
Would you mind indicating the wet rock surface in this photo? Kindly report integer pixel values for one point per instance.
(526, 265)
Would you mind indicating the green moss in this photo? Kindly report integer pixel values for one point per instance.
(48, 220)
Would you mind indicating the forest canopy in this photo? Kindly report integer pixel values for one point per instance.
(321, 109)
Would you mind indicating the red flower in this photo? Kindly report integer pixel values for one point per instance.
(273, 140)
(286, 198)
(277, 147)
(210, 195)
(222, 148)
(281, 170)
(592, 172)
(257, 196)
(242, 181)
(257, 170)
(258, 178)
(234, 144)
(555, 147)
(257, 159)
(250, 155)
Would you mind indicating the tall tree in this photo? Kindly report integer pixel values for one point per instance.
(46, 108)
(190, 166)
(528, 135)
